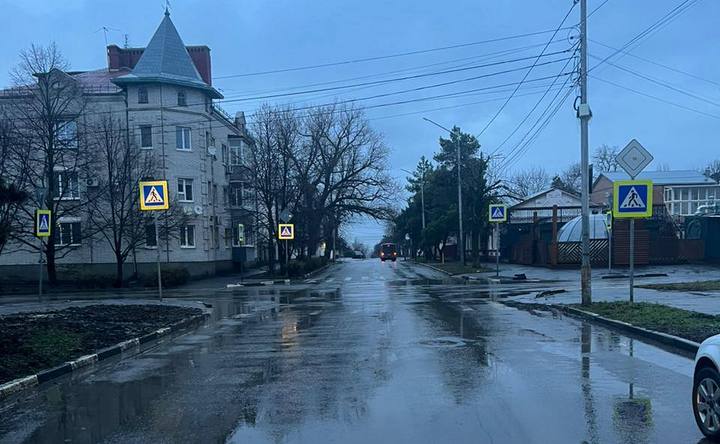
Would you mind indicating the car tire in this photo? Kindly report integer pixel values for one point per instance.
(393, 259)
(707, 418)
(382, 260)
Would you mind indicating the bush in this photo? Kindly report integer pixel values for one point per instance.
(302, 267)
(171, 277)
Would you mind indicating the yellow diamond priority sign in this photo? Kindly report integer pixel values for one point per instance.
(154, 195)
(286, 231)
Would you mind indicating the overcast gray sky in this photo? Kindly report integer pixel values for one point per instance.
(679, 125)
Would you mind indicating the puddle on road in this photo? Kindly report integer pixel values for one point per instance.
(446, 342)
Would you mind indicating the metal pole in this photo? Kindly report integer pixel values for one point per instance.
(497, 251)
(584, 115)
(632, 260)
(422, 198)
(334, 251)
(40, 273)
(157, 256)
(287, 259)
(610, 250)
(461, 238)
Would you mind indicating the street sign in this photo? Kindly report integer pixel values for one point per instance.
(286, 231)
(498, 213)
(285, 215)
(43, 223)
(633, 158)
(632, 198)
(241, 234)
(154, 195)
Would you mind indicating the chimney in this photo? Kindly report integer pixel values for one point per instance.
(240, 120)
(200, 56)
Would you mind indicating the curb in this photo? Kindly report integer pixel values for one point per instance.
(652, 335)
(23, 383)
(318, 271)
(434, 268)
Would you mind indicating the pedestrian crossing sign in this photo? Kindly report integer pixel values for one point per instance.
(632, 198)
(286, 231)
(43, 223)
(498, 213)
(154, 195)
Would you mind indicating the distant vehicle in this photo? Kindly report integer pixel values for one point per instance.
(706, 388)
(357, 254)
(710, 209)
(388, 251)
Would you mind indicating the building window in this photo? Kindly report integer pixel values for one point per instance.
(182, 138)
(187, 236)
(67, 134)
(236, 153)
(185, 190)
(225, 195)
(182, 100)
(66, 185)
(685, 201)
(145, 136)
(236, 194)
(225, 154)
(68, 233)
(142, 95)
(150, 236)
(228, 237)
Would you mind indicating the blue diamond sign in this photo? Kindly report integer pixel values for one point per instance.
(154, 195)
(497, 213)
(632, 199)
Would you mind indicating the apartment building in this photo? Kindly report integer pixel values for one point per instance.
(164, 95)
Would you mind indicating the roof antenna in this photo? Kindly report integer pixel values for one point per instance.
(105, 30)
(167, 8)
(126, 41)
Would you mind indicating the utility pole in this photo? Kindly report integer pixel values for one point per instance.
(461, 240)
(422, 198)
(584, 114)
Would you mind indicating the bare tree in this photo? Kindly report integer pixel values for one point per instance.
(46, 102)
(113, 193)
(570, 179)
(605, 158)
(529, 181)
(712, 170)
(12, 178)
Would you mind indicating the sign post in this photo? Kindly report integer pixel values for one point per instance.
(609, 226)
(43, 228)
(154, 197)
(241, 243)
(286, 232)
(628, 196)
(497, 213)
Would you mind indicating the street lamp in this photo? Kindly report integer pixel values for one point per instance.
(461, 240)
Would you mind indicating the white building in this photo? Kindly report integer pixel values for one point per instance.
(164, 95)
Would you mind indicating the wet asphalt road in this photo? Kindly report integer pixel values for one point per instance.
(376, 353)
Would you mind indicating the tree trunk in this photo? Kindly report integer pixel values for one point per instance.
(50, 258)
(118, 270)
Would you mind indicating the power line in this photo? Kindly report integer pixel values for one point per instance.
(402, 54)
(664, 20)
(669, 68)
(532, 110)
(596, 9)
(687, 108)
(502, 107)
(661, 83)
(398, 79)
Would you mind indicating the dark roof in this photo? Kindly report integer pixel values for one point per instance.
(166, 60)
(99, 81)
(677, 177)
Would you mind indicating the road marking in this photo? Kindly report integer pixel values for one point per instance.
(330, 280)
(365, 278)
(347, 279)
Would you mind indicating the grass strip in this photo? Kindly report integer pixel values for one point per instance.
(685, 286)
(674, 321)
(458, 268)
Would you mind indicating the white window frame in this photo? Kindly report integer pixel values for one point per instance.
(67, 134)
(236, 154)
(185, 238)
(61, 195)
(183, 182)
(233, 190)
(185, 142)
(59, 234)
